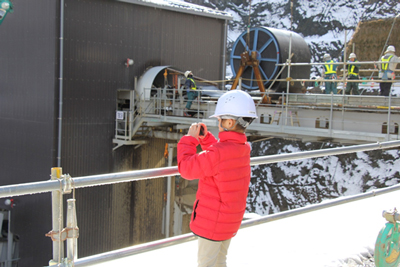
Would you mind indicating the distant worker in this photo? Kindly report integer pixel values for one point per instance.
(352, 74)
(387, 69)
(330, 74)
(192, 93)
(223, 171)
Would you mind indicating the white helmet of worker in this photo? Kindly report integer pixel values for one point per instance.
(352, 55)
(390, 48)
(327, 57)
(236, 104)
(187, 73)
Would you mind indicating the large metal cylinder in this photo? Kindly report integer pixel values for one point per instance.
(273, 47)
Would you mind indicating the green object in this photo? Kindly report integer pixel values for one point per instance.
(5, 8)
(387, 249)
(364, 80)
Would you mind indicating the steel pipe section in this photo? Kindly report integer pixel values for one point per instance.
(323, 152)
(86, 181)
(116, 254)
(314, 207)
(119, 177)
(129, 251)
(273, 47)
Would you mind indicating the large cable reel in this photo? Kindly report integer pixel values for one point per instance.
(271, 47)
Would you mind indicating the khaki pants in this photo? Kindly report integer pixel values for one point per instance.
(212, 253)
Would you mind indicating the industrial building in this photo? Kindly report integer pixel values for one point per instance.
(61, 66)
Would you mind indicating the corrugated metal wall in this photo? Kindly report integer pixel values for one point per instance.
(99, 36)
(28, 93)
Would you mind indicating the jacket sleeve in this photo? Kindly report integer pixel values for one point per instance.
(208, 141)
(193, 166)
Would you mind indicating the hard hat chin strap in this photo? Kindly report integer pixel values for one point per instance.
(238, 120)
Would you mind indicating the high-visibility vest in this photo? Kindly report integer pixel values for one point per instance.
(194, 83)
(353, 69)
(385, 65)
(330, 68)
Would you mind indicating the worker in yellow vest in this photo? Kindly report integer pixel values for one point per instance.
(353, 70)
(330, 74)
(192, 92)
(387, 69)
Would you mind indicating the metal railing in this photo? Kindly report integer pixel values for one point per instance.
(163, 105)
(62, 184)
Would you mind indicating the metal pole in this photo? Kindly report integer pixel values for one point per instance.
(129, 176)
(333, 63)
(120, 253)
(72, 225)
(169, 190)
(10, 239)
(198, 104)
(86, 181)
(344, 63)
(344, 76)
(331, 116)
(60, 85)
(180, 93)
(117, 254)
(282, 109)
(288, 83)
(132, 109)
(224, 54)
(57, 218)
(388, 122)
(310, 208)
(322, 152)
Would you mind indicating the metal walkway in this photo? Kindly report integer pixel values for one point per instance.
(345, 119)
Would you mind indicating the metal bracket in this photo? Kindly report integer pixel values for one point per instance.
(64, 263)
(68, 232)
(66, 183)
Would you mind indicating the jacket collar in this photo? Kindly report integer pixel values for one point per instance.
(232, 137)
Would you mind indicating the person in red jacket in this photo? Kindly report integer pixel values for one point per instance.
(223, 170)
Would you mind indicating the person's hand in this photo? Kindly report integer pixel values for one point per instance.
(194, 130)
(197, 130)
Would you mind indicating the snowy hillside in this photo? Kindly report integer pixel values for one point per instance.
(325, 25)
(288, 185)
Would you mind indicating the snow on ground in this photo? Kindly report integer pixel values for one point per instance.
(331, 237)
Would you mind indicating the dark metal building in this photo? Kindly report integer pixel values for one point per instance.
(61, 64)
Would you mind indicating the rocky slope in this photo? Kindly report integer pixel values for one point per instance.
(288, 185)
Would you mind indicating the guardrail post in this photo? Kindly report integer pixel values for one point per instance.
(170, 191)
(57, 218)
(389, 110)
(72, 227)
(331, 116)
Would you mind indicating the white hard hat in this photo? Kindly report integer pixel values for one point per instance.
(187, 73)
(236, 103)
(352, 55)
(390, 48)
(326, 56)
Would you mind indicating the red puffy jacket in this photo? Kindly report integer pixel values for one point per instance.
(223, 170)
